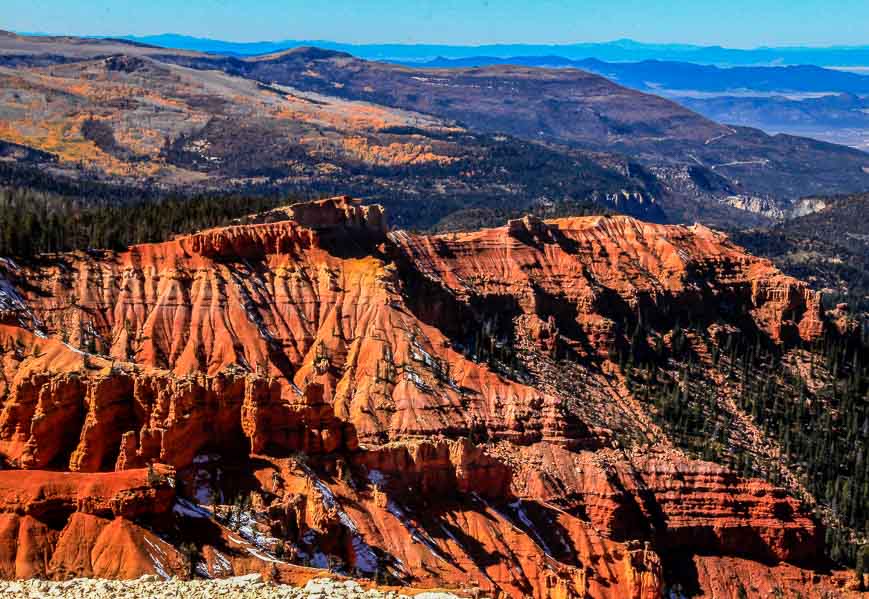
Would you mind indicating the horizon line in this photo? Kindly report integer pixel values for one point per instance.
(447, 45)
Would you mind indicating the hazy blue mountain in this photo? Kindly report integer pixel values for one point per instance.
(618, 51)
(657, 75)
(780, 113)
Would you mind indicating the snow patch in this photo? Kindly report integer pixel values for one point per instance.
(247, 522)
(418, 535)
(222, 567)
(524, 519)
(159, 566)
(202, 569)
(11, 301)
(183, 507)
(262, 556)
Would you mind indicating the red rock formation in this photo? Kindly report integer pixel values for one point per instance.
(328, 367)
(69, 524)
(589, 272)
(733, 578)
(690, 497)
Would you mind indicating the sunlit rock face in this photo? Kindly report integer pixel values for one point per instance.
(326, 371)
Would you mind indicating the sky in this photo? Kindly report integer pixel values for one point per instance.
(731, 23)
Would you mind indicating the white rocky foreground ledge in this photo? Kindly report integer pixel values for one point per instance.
(243, 587)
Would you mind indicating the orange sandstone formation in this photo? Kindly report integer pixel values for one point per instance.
(324, 371)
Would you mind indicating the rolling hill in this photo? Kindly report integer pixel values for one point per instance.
(425, 142)
(580, 110)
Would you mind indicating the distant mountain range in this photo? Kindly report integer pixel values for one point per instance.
(618, 51)
(663, 76)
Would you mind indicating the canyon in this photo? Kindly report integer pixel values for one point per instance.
(308, 391)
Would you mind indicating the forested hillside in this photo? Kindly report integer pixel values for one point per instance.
(829, 248)
(34, 222)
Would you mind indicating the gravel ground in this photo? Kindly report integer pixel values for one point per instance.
(242, 587)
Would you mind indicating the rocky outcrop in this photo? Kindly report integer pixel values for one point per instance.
(129, 494)
(72, 524)
(585, 275)
(323, 394)
(787, 311)
(706, 505)
(678, 504)
(435, 517)
(438, 468)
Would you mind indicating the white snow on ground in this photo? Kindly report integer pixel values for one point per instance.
(418, 535)
(185, 508)
(524, 519)
(247, 529)
(419, 353)
(250, 307)
(222, 567)
(253, 541)
(159, 566)
(416, 379)
(202, 570)
(366, 559)
(534, 534)
(316, 559)
(262, 556)
(74, 349)
(11, 301)
(205, 481)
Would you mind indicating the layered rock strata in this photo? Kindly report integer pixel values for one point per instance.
(307, 391)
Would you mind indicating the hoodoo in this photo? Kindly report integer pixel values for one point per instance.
(303, 391)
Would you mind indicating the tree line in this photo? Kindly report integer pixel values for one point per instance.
(33, 222)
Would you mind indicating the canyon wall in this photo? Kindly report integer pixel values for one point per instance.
(331, 375)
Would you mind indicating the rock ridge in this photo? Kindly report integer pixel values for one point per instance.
(305, 391)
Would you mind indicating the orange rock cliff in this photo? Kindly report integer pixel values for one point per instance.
(307, 391)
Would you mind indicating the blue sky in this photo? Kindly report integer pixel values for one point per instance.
(732, 23)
